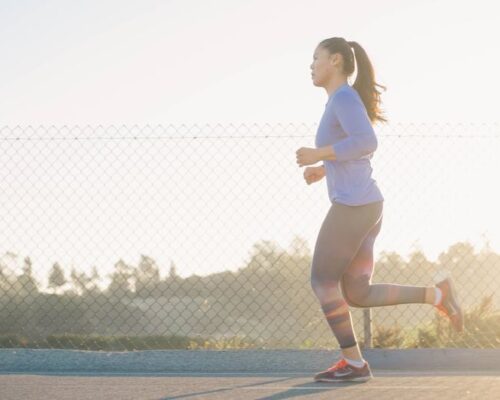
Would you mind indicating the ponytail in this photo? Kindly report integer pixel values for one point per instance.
(365, 83)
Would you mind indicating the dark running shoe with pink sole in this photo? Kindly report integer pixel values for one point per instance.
(448, 306)
(342, 371)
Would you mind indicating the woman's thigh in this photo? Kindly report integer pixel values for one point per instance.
(341, 234)
(363, 262)
(358, 274)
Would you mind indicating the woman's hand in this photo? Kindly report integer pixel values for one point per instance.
(314, 174)
(307, 156)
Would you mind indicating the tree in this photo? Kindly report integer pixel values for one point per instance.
(299, 247)
(5, 279)
(26, 280)
(264, 256)
(121, 280)
(56, 277)
(94, 279)
(80, 280)
(172, 274)
(147, 277)
(459, 256)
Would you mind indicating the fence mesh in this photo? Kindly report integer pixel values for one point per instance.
(202, 236)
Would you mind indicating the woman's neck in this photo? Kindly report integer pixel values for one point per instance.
(334, 84)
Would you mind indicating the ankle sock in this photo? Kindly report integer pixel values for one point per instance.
(439, 296)
(356, 363)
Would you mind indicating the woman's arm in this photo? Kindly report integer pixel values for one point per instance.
(326, 153)
(354, 120)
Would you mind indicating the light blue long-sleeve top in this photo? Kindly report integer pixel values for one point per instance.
(346, 126)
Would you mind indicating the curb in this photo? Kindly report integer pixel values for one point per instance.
(212, 361)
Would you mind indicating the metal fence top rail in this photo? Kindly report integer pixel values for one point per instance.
(236, 131)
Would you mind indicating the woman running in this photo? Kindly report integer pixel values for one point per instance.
(342, 264)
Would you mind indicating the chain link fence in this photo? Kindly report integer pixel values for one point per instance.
(124, 238)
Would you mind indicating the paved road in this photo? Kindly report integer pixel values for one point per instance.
(427, 374)
(390, 385)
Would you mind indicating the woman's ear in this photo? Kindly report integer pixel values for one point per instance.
(334, 59)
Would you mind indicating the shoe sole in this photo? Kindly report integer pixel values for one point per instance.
(457, 318)
(359, 379)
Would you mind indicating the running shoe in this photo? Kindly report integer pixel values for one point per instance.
(342, 371)
(448, 306)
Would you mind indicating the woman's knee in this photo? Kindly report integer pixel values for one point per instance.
(356, 290)
(327, 271)
(346, 296)
(325, 290)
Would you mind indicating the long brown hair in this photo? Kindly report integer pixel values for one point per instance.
(365, 83)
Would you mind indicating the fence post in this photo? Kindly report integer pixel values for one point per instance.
(367, 323)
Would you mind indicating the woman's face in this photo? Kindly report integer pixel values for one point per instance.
(323, 66)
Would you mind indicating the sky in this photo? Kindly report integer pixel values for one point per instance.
(189, 63)
(160, 62)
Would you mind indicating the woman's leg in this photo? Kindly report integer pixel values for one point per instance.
(341, 234)
(356, 281)
(359, 292)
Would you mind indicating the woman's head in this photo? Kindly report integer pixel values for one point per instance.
(336, 58)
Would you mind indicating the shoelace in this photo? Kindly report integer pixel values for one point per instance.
(339, 365)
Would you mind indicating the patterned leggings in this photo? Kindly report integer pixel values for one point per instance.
(342, 267)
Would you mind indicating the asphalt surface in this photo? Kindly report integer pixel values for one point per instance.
(426, 374)
(385, 385)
